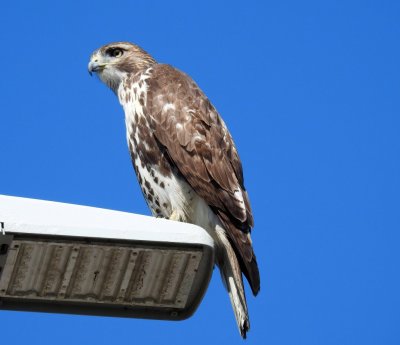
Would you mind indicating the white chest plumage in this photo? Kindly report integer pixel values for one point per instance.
(167, 195)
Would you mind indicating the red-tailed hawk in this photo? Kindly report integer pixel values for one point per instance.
(185, 159)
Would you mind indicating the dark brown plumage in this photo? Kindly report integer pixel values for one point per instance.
(205, 155)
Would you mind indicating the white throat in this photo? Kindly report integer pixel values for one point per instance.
(112, 78)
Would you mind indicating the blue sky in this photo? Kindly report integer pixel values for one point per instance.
(310, 92)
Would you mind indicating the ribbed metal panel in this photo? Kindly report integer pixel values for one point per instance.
(97, 273)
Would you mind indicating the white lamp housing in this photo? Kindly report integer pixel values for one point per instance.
(64, 258)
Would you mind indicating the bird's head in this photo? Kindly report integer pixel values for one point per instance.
(114, 61)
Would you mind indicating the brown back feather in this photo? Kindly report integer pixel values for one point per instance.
(203, 151)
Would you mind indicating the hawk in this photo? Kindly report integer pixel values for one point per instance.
(185, 159)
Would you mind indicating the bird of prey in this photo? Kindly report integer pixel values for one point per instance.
(185, 159)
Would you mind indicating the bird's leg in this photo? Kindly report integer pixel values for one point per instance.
(175, 216)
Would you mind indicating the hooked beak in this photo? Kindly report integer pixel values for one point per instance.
(95, 66)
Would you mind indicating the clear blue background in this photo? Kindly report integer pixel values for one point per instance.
(310, 91)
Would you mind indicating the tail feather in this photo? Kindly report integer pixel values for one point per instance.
(232, 278)
(239, 236)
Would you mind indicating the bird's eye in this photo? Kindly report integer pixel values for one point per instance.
(115, 52)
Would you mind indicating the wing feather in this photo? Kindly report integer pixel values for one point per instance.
(200, 145)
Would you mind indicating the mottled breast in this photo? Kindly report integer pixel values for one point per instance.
(163, 189)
